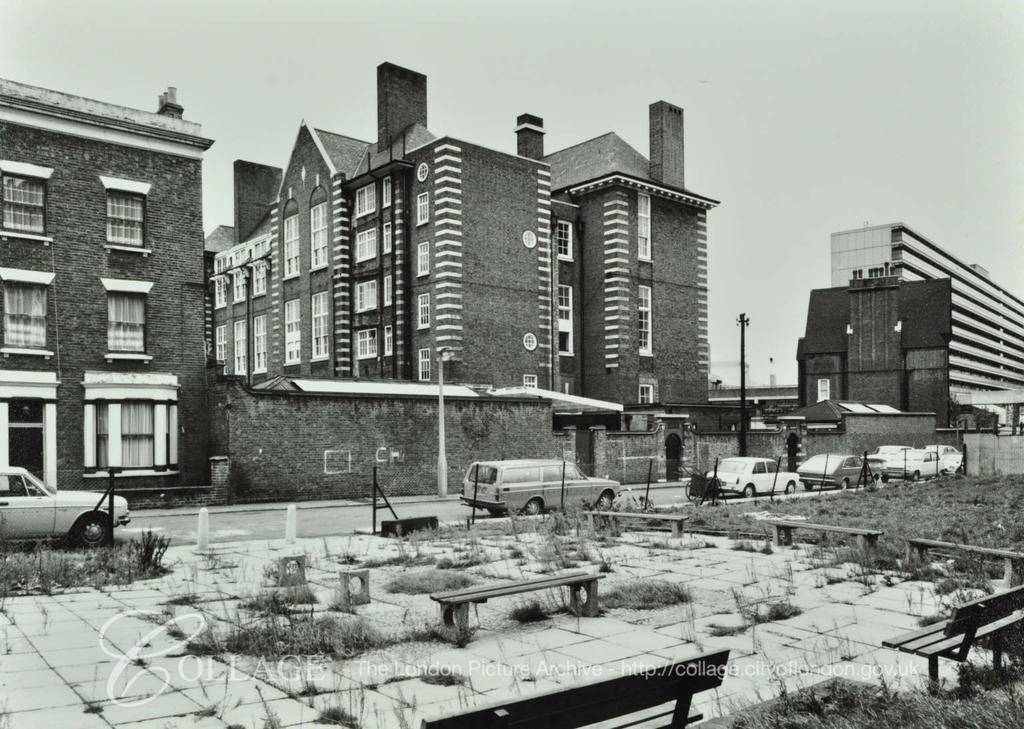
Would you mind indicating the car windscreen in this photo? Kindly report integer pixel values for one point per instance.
(482, 474)
(731, 467)
(33, 482)
(818, 464)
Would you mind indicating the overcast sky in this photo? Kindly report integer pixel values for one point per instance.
(803, 118)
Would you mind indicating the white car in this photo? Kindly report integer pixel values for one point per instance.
(913, 465)
(752, 476)
(950, 459)
(884, 456)
(29, 509)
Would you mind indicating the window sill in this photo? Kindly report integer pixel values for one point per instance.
(368, 258)
(8, 351)
(136, 356)
(44, 239)
(319, 359)
(422, 274)
(313, 269)
(362, 358)
(132, 473)
(566, 354)
(421, 222)
(127, 249)
(570, 259)
(220, 306)
(421, 327)
(238, 301)
(647, 354)
(261, 293)
(260, 372)
(365, 213)
(290, 276)
(643, 259)
(292, 362)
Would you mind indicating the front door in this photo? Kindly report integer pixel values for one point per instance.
(25, 435)
(673, 452)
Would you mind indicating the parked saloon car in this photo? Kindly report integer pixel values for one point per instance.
(915, 464)
(884, 455)
(532, 485)
(830, 470)
(751, 476)
(29, 509)
(950, 459)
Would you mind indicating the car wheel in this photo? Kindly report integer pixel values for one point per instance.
(749, 491)
(790, 487)
(959, 470)
(495, 512)
(845, 484)
(533, 507)
(91, 530)
(915, 476)
(604, 501)
(885, 478)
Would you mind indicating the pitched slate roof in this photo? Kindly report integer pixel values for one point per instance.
(832, 411)
(924, 307)
(345, 152)
(222, 238)
(595, 158)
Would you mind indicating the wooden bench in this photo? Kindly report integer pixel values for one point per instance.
(987, 616)
(676, 520)
(866, 538)
(1013, 570)
(455, 604)
(602, 700)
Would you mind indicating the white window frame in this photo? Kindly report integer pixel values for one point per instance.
(318, 231)
(318, 325)
(366, 295)
(645, 325)
(220, 284)
(366, 343)
(220, 351)
(565, 317)
(387, 243)
(824, 389)
(7, 172)
(643, 226)
(389, 340)
(423, 358)
(259, 344)
(423, 208)
(292, 331)
(385, 192)
(259, 269)
(113, 194)
(388, 290)
(366, 200)
(645, 395)
(238, 284)
(290, 249)
(241, 348)
(366, 245)
(530, 381)
(423, 259)
(423, 311)
(565, 225)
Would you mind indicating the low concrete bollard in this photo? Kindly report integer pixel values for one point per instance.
(353, 588)
(289, 525)
(203, 530)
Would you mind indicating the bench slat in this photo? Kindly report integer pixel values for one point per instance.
(638, 515)
(822, 527)
(474, 594)
(935, 544)
(581, 705)
(901, 640)
(946, 646)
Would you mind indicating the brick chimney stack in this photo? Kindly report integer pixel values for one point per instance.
(530, 136)
(401, 102)
(256, 188)
(169, 105)
(666, 132)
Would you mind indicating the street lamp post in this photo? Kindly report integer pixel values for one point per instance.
(443, 355)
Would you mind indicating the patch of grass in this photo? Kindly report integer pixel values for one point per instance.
(781, 610)
(926, 620)
(345, 637)
(645, 595)
(419, 583)
(400, 560)
(530, 612)
(957, 583)
(93, 707)
(443, 678)
(722, 631)
(338, 716)
(189, 598)
(446, 563)
(281, 601)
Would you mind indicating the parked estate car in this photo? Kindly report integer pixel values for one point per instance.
(880, 458)
(915, 464)
(831, 470)
(29, 509)
(752, 476)
(950, 459)
(533, 485)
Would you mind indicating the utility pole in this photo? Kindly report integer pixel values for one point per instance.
(743, 321)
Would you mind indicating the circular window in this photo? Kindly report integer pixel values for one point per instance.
(529, 239)
(422, 171)
(530, 341)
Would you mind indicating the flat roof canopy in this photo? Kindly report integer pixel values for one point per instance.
(561, 401)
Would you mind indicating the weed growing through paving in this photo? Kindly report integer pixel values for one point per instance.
(338, 716)
(427, 581)
(745, 545)
(529, 612)
(645, 595)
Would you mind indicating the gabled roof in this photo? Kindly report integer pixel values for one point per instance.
(222, 238)
(414, 136)
(594, 158)
(828, 313)
(344, 152)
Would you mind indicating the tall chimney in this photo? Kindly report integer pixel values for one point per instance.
(530, 136)
(169, 105)
(666, 143)
(256, 188)
(401, 102)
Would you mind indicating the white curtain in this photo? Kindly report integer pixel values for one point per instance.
(102, 440)
(24, 315)
(126, 328)
(137, 434)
